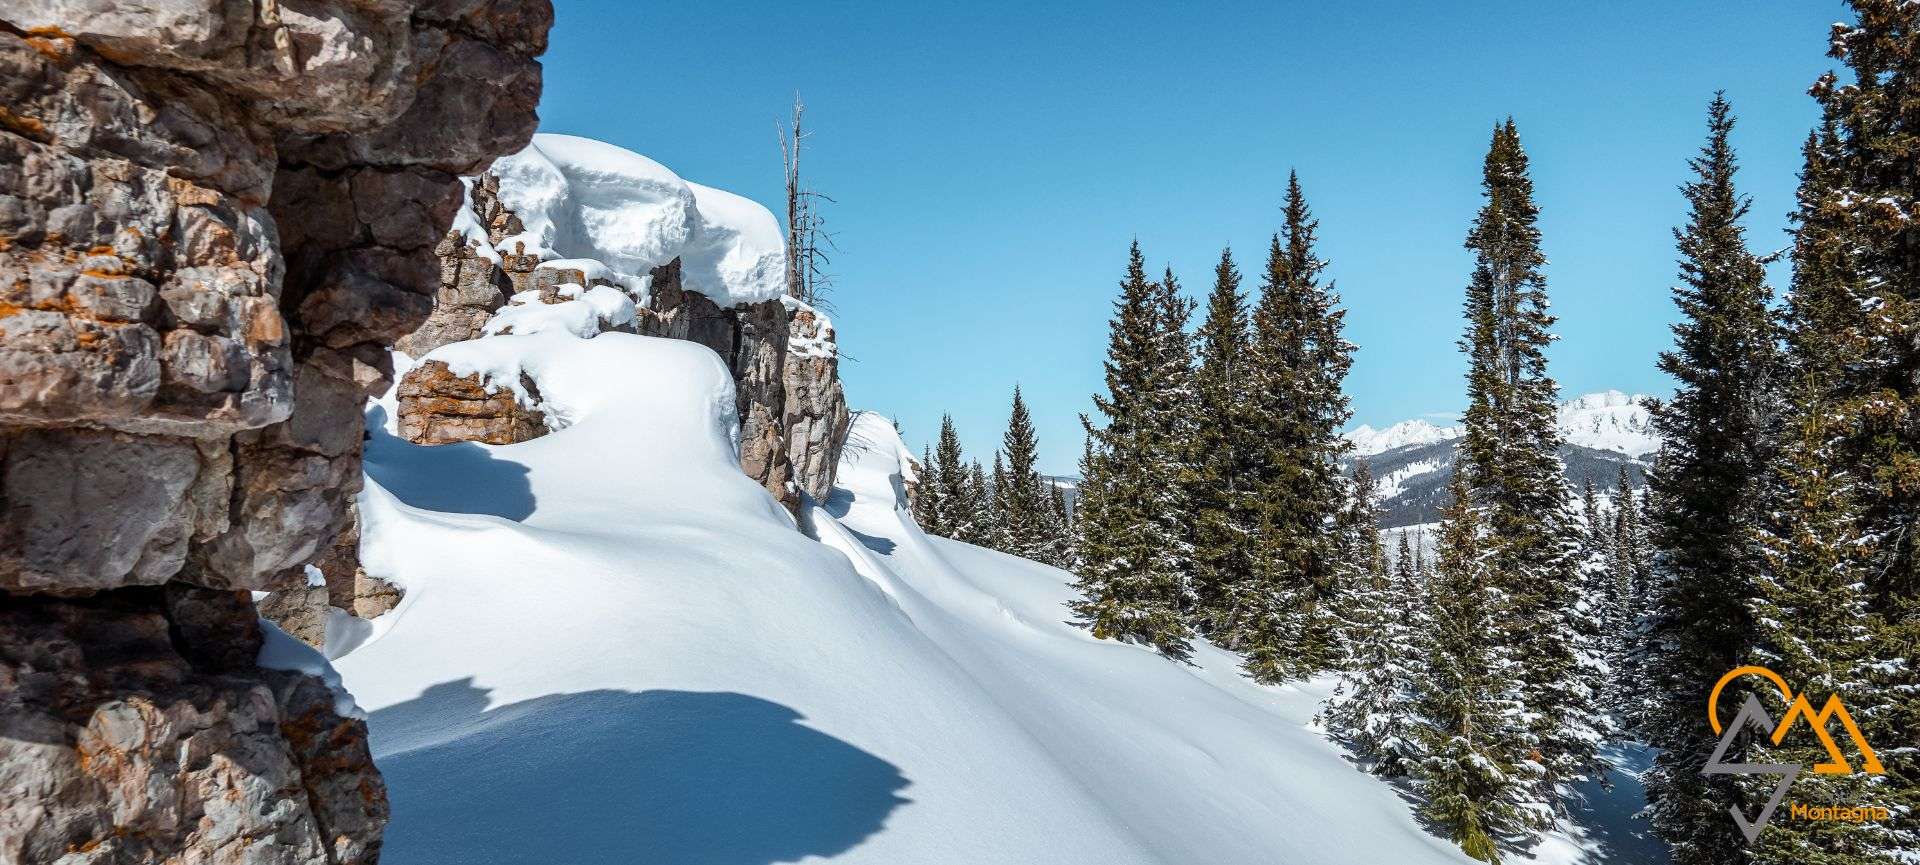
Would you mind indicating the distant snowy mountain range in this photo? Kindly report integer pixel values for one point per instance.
(1413, 459)
(1607, 421)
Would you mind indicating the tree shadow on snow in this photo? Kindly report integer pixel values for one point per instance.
(668, 777)
(1615, 835)
(458, 478)
(1605, 818)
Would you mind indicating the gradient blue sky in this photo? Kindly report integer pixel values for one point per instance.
(991, 161)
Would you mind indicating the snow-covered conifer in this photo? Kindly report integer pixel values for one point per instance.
(1509, 459)
(1131, 536)
(1282, 614)
(1476, 772)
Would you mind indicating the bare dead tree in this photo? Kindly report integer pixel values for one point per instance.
(808, 241)
(790, 140)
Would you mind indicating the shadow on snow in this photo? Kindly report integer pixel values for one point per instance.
(680, 777)
(1604, 819)
(458, 478)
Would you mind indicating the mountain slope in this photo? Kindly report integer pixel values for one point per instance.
(1606, 421)
(614, 647)
(1413, 460)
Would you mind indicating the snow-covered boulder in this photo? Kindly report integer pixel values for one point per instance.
(577, 198)
(444, 400)
(587, 238)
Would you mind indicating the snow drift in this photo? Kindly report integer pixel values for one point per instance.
(589, 203)
(615, 647)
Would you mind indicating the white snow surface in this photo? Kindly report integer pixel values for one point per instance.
(614, 647)
(1608, 420)
(582, 199)
(587, 312)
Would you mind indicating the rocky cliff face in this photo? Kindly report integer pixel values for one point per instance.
(815, 414)
(214, 218)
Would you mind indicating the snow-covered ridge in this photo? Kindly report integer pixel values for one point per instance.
(1368, 441)
(1608, 420)
(602, 208)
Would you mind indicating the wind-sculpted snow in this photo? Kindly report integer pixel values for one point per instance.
(614, 647)
(584, 199)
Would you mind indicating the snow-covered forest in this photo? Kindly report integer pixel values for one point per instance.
(1544, 630)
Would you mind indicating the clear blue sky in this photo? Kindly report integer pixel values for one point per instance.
(991, 162)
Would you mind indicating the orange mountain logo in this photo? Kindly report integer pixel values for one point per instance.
(1753, 715)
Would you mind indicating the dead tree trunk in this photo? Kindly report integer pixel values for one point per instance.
(796, 244)
(807, 239)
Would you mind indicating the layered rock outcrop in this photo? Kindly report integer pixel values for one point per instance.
(793, 413)
(214, 219)
(752, 339)
(136, 728)
(438, 407)
(815, 411)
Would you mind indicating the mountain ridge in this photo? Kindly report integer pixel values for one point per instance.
(1603, 433)
(1609, 420)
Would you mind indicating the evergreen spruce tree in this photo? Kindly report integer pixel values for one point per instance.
(1629, 571)
(1131, 536)
(1059, 528)
(1705, 486)
(1282, 615)
(1024, 508)
(997, 506)
(981, 529)
(949, 480)
(1871, 404)
(1509, 458)
(1361, 560)
(1814, 628)
(1849, 446)
(1373, 708)
(1479, 785)
(1173, 421)
(955, 504)
(926, 498)
(1219, 491)
(1087, 514)
(1603, 602)
(1636, 551)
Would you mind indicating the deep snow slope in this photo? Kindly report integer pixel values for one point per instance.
(616, 648)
